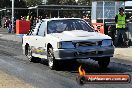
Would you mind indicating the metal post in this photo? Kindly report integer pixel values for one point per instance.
(115, 8)
(58, 14)
(50, 14)
(37, 12)
(94, 11)
(13, 15)
(103, 12)
(127, 23)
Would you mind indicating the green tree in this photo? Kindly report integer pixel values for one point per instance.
(67, 2)
(53, 2)
(34, 2)
(8, 3)
(5, 3)
(19, 3)
(61, 2)
(84, 2)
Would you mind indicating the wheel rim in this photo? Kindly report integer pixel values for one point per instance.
(29, 55)
(50, 58)
(50, 63)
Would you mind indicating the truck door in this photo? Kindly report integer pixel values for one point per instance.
(40, 40)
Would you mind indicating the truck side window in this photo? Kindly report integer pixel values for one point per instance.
(42, 28)
(34, 31)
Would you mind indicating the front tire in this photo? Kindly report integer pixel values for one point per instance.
(103, 63)
(52, 62)
(72, 64)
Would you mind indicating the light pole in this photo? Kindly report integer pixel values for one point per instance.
(13, 15)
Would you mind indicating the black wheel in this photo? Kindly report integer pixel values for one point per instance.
(103, 63)
(72, 64)
(81, 80)
(29, 54)
(51, 59)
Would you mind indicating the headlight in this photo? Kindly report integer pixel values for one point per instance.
(107, 42)
(65, 45)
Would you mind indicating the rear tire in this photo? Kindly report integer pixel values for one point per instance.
(103, 63)
(29, 54)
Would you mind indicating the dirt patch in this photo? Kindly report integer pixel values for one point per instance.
(7, 81)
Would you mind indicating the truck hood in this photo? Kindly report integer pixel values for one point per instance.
(79, 35)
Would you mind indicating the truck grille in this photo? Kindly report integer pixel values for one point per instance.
(86, 44)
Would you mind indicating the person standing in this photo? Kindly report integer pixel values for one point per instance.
(120, 21)
(28, 16)
(9, 26)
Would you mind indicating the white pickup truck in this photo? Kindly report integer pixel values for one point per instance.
(67, 39)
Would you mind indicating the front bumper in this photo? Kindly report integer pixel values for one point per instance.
(84, 53)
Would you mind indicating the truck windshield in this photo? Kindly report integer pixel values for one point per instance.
(58, 26)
